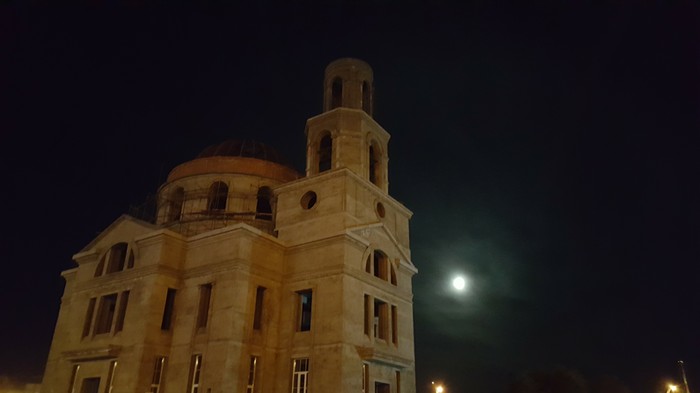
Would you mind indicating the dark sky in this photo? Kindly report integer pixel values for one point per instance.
(549, 153)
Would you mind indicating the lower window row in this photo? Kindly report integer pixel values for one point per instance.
(299, 383)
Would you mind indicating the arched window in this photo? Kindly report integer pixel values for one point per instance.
(130, 260)
(115, 260)
(337, 93)
(380, 264)
(325, 153)
(218, 195)
(366, 97)
(375, 165)
(263, 209)
(100, 266)
(175, 204)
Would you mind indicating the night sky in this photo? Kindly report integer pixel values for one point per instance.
(549, 153)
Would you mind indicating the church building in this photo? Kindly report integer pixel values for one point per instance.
(253, 277)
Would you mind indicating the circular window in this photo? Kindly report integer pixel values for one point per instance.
(308, 200)
(380, 210)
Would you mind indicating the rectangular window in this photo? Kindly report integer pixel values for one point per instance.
(257, 318)
(90, 385)
(195, 370)
(250, 388)
(157, 374)
(380, 387)
(168, 310)
(304, 310)
(368, 304)
(123, 302)
(365, 377)
(394, 325)
(300, 376)
(105, 314)
(380, 265)
(380, 319)
(203, 311)
(398, 382)
(88, 317)
(110, 376)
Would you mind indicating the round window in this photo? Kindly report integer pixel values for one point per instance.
(380, 210)
(308, 200)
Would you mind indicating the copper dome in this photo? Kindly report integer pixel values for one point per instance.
(244, 148)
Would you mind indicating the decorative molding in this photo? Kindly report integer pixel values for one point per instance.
(92, 354)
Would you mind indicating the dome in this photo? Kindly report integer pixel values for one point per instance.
(244, 148)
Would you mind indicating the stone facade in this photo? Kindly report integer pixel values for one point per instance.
(252, 277)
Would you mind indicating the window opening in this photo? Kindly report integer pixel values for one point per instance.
(117, 256)
(119, 325)
(380, 264)
(367, 314)
(381, 212)
(157, 374)
(168, 309)
(308, 200)
(130, 260)
(394, 326)
(251, 374)
(374, 165)
(88, 317)
(393, 274)
(380, 387)
(90, 385)
(380, 319)
(218, 195)
(105, 314)
(368, 264)
(365, 377)
(204, 300)
(110, 376)
(398, 381)
(177, 199)
(336, 93)
(257, 317)
(195, 370)
(300, 375)
(304, 300)
(325, 153)
(263, 209)
(100, 266)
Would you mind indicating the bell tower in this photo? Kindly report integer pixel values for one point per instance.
(345, 135)
(348, 84)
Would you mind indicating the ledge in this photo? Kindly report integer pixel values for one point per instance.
(90, 354)
(377, 355)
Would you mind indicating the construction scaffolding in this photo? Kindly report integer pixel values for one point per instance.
(196, 211)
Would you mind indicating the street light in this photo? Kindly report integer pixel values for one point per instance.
(671, 388)
(438, 388)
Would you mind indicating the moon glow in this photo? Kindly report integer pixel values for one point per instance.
(459, 283)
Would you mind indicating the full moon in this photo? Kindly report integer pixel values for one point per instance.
(459, 283)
